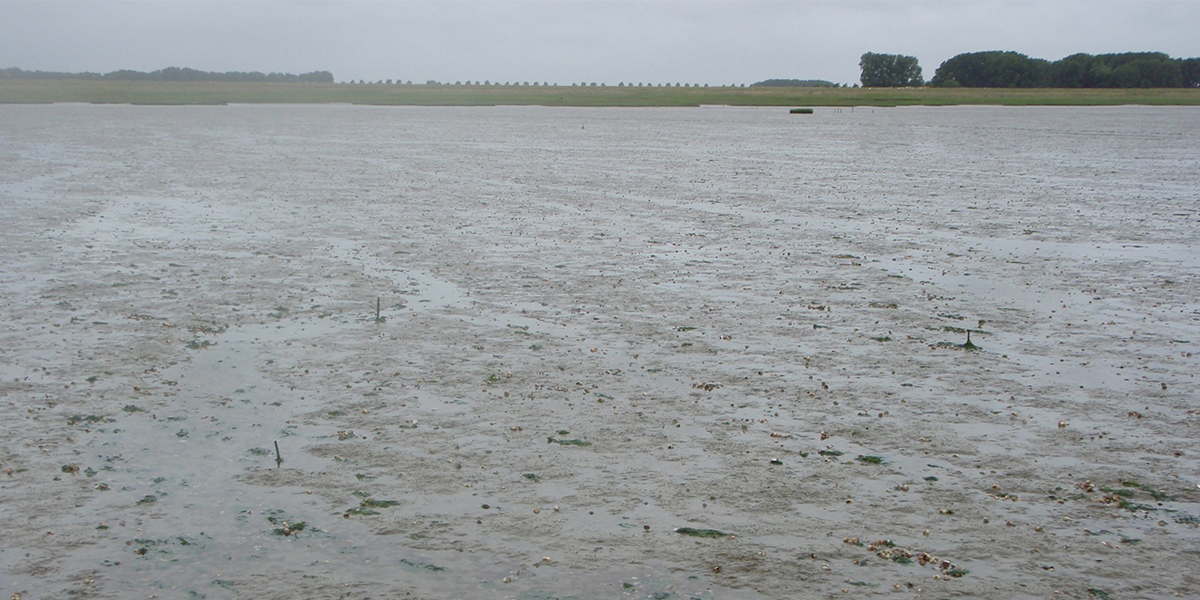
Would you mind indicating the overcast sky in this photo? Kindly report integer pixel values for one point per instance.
(565, 41)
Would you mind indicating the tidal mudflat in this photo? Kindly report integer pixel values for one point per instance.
(634, 353)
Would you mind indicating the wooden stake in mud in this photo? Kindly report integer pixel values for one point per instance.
(278, 456)
(377, 309)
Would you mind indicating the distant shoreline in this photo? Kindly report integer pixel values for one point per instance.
(216, 93)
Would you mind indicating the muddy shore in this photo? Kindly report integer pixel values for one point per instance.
(618, 353)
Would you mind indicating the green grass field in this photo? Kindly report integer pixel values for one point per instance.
(165, 93)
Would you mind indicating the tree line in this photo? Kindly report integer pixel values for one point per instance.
(174, 74)
(795, 83)
(998, 69)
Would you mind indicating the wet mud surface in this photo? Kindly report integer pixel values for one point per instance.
(619, 353)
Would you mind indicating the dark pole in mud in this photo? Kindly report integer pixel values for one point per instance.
(969, 345)
(278, 456)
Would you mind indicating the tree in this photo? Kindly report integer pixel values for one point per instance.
(1079, 71)
(1190, 68)
(889, 70)
(1143, 69)
(1126, 70)
(1147, 74)
(794, 83)
(992, 70)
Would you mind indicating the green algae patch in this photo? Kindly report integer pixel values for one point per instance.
(567, 442)
(419, 566)
(77, 419)
(701, 533)
(1158, 495)
(380, 503)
